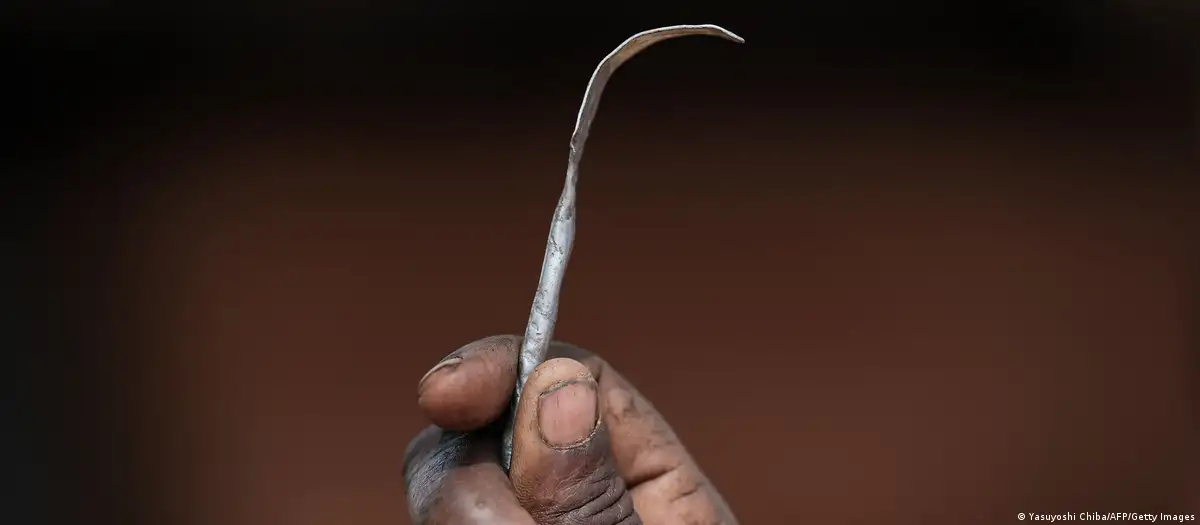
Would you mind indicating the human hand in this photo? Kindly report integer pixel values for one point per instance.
(588, 449)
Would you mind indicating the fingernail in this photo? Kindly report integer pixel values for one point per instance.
(446, 364)
(567, 413)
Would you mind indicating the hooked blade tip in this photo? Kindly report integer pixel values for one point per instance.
(727, 34)
(709, 29)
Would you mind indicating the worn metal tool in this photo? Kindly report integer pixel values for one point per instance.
(540, 329)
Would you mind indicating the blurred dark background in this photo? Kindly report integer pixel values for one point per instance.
(886, 262)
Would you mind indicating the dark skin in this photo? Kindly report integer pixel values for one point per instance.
(588, 449)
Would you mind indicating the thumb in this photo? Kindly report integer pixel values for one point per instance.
(562, 467)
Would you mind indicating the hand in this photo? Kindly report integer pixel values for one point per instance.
(588, 449)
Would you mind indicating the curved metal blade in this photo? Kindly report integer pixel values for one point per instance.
(540, 330)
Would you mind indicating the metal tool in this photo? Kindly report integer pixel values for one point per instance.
(540, 329)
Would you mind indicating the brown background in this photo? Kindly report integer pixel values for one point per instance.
(922, 280)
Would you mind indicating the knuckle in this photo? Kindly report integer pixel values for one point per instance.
(600, 498)
(683, 496)
(421, 445)
(471, 495)
(431, 456)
